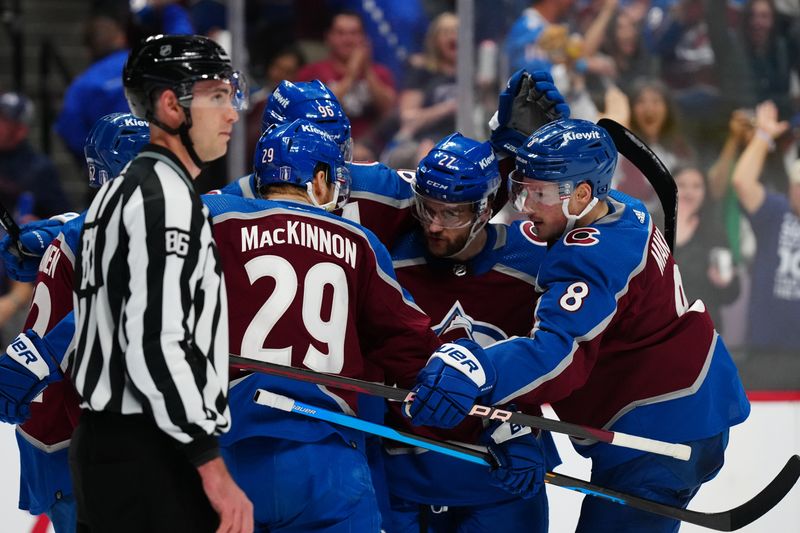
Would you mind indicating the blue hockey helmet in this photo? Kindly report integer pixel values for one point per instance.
(291, 153)
(457, 170)
(313, 101)
(567, 152)
(112, 142)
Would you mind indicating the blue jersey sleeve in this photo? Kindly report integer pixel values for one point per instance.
(376, 180)
(244, 187)
(580, 279)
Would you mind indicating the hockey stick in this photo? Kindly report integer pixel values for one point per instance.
(648, 163)
(730, 520)
(678, 451)
(11, 227)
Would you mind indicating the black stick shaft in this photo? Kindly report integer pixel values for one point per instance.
(679, 451)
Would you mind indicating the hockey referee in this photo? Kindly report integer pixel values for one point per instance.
(151, 354)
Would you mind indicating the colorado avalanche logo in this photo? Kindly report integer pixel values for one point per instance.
(407, 175)
(582, 237)
(457, 323)
(528, 232)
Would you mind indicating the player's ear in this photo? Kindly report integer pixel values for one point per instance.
(580, 198)
(583, 193)
(322, 189)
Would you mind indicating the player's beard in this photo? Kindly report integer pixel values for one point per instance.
(440, 246)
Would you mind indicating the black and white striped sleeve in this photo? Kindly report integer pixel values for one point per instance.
(175, 320)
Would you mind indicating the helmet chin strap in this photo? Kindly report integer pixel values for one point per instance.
(477, 226)
(182, 132)
(573, 219)
(327, 206)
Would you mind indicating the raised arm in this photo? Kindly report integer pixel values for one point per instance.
(748, 169)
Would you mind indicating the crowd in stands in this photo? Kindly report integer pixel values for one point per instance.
(712, 86)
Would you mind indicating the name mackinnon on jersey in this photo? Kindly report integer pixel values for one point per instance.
(301, 234)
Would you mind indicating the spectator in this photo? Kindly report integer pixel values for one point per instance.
(164, 16)
(768, 54)
(701, 246)
(395, 29)
(25, 174)
(654, 119)
(428, 103)
(773, 338)
(365, 89)
(98, 90)
(741, 128)
(522, 43)
(678, 37)
(281, 65)
(624, 53)
(29, 187)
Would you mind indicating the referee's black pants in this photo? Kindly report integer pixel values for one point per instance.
(129, 476)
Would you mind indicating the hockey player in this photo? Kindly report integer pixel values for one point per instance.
(616, 343)
(45, 426)
(321, 294)
(474, 280)
(380, 197)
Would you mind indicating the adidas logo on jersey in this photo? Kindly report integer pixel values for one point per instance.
(573, 136)
(639, 215)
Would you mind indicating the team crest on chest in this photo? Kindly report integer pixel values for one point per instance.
(457, 322)
(582, 237)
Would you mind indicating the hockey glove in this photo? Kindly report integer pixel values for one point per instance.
(456, 374)
(35, 237)
(519, 457)
(528, 102)
(26, 368)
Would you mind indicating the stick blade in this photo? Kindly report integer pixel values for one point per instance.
(768, 498)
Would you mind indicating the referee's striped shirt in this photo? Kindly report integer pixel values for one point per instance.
(150, 307)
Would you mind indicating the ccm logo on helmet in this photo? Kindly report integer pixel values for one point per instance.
(573, 136)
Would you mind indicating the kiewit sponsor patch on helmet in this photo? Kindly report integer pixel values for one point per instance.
(308, 128)
(135, 122)
(486, 161)
(574, 136)
(282, 100)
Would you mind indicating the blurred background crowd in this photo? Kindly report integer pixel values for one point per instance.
(712, 86)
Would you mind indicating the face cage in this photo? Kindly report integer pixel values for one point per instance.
(444, 219)
(523, 191)
(237, 81)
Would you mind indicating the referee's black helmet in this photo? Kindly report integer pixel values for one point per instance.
(174, 62)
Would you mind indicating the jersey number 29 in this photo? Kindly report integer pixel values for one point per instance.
(331, 331)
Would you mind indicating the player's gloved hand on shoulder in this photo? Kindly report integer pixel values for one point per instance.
(519, 457)
(529, 101)
(455, 376)
(35, 237)
(26, 368)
